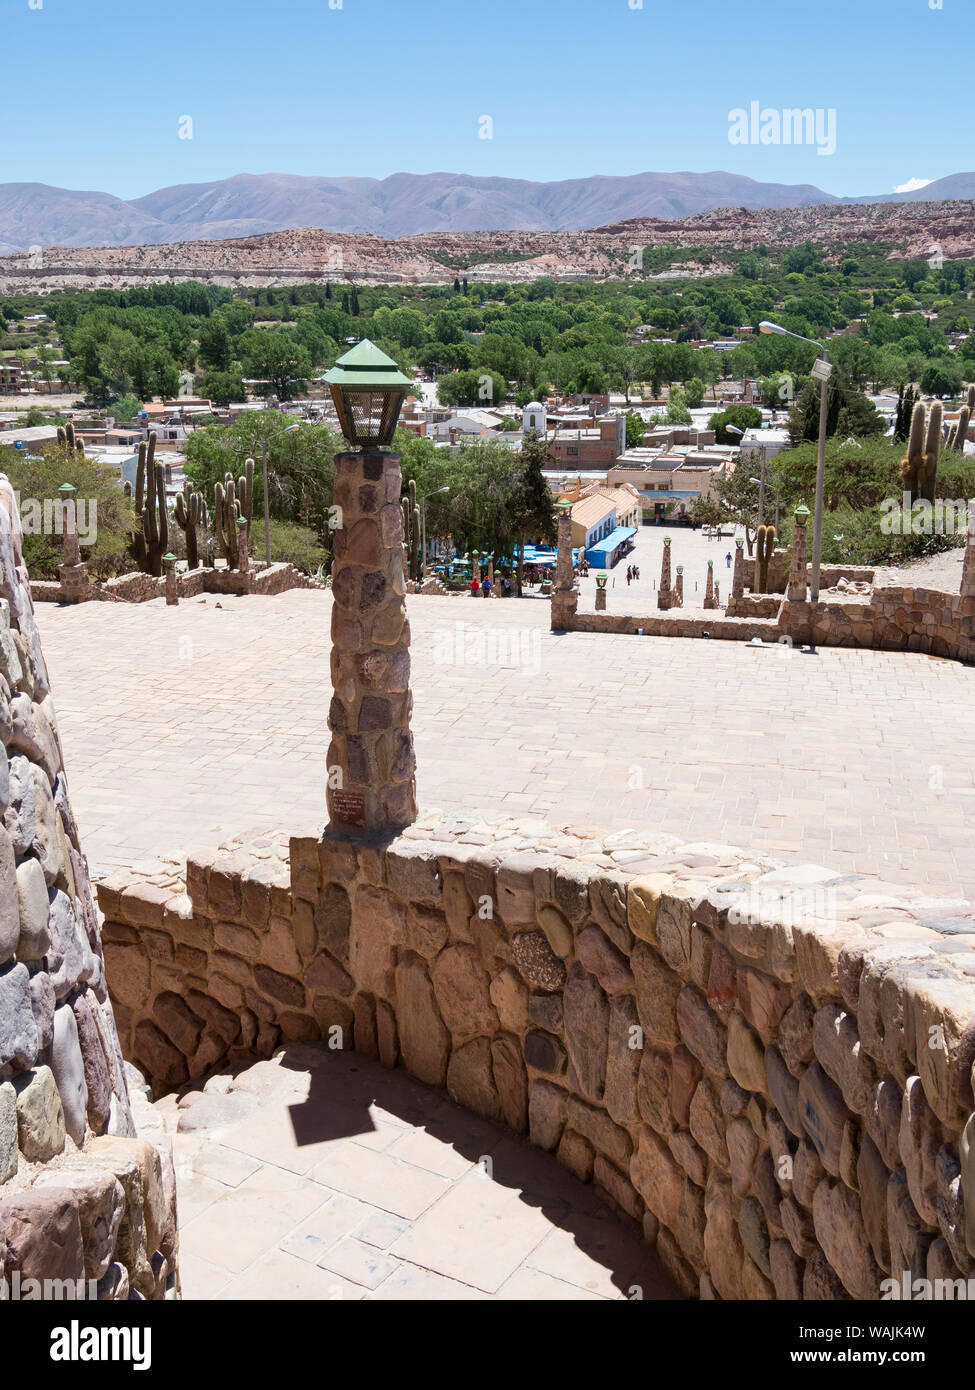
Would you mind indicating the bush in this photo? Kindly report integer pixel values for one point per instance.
(37, 478)
(297, 545)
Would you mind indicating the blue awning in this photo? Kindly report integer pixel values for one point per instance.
(614, 540)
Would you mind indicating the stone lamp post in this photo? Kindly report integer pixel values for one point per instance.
(601, 579)
(796, 588)
(72, 572)
(371, 765)
(565, 595)
(172, 579)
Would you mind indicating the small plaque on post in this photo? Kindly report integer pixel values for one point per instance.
(349, 808)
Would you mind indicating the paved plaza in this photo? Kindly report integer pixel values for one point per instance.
(321, 1175)
(188, 726)
(690, 548)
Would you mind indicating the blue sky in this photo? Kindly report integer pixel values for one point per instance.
(95, 89)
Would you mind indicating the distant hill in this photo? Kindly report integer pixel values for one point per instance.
(34, 214)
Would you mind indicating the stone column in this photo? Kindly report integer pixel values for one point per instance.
(968, 563)
(665, 595)
(796, 591)
(172, 584)
(678, 601)
(600, 600)
(709, 599)
(72, 572)
(738, 573)
(370, 763)
(565, 595)
(477, 567)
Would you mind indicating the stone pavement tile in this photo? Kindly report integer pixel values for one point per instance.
(411, 1282)
(424, 1150)
(222, 1164)
(280, 1276)
(478, 1233)
(379, 1139)
(599, 1256)
(249, 1220)
(335, 1219)
(199, 1278)
(531, 1286)
(378, 1179)
(195, 1193)
(361, 1263)
(381, 1229)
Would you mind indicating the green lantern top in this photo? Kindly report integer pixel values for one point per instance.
(802, 511)
(368, 390)
(67, 489)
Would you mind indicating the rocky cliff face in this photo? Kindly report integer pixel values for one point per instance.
(280, 258)
(81, 1197)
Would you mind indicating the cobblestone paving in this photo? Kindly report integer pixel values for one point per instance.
(320, 1175)
(190, 725)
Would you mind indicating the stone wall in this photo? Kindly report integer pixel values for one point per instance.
(81, 1197)
(894, 618)
(769, 1070)
(137, 587)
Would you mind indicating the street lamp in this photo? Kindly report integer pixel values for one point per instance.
(289, 429)
(368, 390)
(423, 526)
(821, 370)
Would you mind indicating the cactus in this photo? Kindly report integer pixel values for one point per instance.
(66, 435)
(150, 540)
(919, 466)
(764, 546)
(411, 533)
(959, 432)
(233, 502)
(191, 512)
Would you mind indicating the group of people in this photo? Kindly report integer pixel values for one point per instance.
(483, 587)
(632, 572)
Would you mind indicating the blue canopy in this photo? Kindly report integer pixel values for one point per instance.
(613, 541)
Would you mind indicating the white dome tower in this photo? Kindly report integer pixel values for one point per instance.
(533, 418)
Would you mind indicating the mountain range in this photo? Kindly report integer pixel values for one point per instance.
(37, 215)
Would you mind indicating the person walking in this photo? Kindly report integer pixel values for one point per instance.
(474, 587)
(486, 587)
(727, 560)
(629, 575)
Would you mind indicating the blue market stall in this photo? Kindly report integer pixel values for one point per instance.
(611, 549)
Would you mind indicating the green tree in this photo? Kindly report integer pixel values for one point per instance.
(532, 505)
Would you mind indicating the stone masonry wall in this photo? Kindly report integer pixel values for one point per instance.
(81, 1197)
(893, 618)
(142, 588)
(768, 1069)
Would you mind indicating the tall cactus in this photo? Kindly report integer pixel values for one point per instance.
(190, 513)
(919, 466)
(764, 547)
(150, 540)
(959, 432)
(233, 502)
(411, 533)
(66, 435)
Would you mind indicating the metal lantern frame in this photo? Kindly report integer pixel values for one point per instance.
(368, 390)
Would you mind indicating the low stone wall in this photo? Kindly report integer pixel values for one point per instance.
(893, 618)
(674, 624)
(82, 1199)
(768, 1069)
(143, 588)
